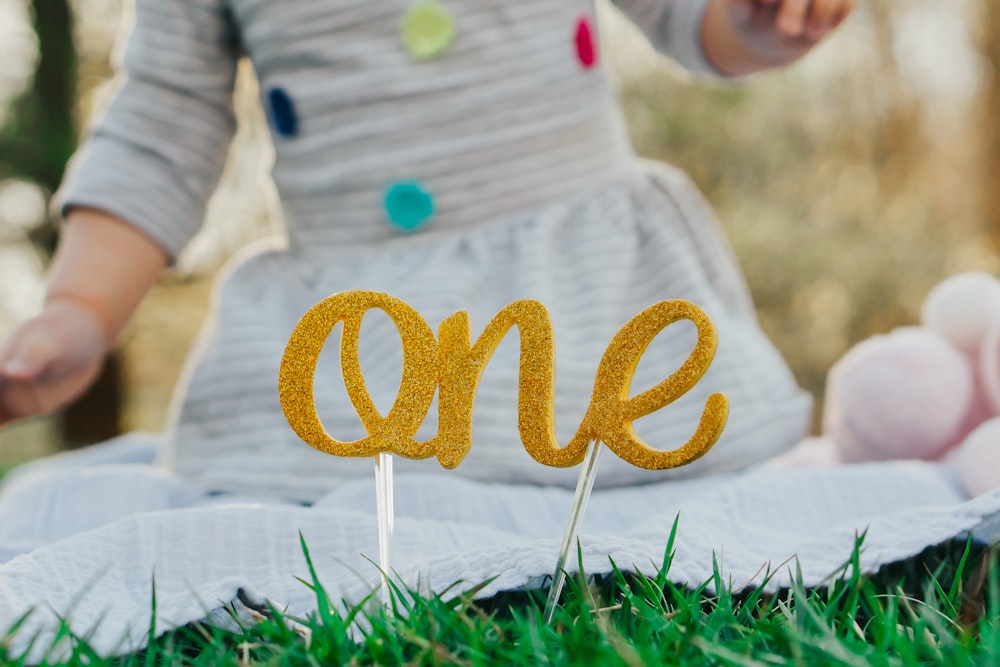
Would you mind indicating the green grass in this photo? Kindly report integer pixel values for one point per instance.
(941, 608)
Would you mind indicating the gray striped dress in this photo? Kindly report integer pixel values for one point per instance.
(507, 147)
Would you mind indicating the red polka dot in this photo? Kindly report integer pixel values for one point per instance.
(586, 45)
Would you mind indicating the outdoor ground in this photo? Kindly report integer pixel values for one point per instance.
(941, 608)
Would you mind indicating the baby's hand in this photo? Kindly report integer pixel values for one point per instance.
(50, 360)
(784, 29)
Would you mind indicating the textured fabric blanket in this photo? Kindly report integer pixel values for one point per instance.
(82, 536)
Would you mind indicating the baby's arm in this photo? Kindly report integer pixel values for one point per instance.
(735, 37)
(134, 196)
(101, 271)
(746, 36)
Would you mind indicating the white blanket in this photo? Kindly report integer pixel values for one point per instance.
(85, 541)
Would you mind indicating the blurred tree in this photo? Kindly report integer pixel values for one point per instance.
(35, 144)
(40, 135)
(989, 45)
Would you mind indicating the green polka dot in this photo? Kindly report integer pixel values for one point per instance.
(428, 29)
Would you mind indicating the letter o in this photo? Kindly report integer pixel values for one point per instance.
(393, 433)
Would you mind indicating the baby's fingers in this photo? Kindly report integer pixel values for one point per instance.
(826, 15)
(792, 17)
(28, 353)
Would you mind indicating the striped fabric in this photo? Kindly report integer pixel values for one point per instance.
(536, 193)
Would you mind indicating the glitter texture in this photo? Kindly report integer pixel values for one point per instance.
(611, 413)
(392, 433)
(462, 366)
(455, 365)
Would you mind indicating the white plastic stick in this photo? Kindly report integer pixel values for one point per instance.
(584, 486)
(384, 504)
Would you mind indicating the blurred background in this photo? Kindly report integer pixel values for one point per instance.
(849, 184)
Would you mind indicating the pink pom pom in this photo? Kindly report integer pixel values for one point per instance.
(977, 460)
(962, 308)
(905, 395)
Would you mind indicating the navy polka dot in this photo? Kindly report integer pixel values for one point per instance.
(282, 113)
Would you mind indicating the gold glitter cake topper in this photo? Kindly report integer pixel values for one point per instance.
(454, 365)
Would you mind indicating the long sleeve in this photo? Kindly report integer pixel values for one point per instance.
(673, 27)
(156, 155)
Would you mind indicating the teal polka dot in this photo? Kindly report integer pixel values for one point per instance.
(408, 205)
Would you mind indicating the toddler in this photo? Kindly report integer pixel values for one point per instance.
(459, 155)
